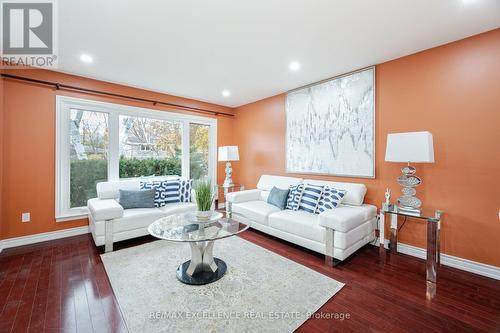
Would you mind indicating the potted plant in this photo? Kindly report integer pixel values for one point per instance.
(205, 195)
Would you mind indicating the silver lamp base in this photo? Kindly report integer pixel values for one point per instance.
(409, 210)
(229, 173)
(408, 201)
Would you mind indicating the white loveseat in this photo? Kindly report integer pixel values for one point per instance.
(109, 222)
(336, 233)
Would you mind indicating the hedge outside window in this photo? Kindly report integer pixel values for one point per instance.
(149, 147)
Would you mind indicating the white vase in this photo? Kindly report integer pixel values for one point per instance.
(204, 215)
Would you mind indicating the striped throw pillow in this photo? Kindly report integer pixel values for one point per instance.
(294, 197)
(330, 199)
(167, 191)
(310, 198)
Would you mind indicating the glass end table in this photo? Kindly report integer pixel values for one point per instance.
(203, 268)
(433, 219)
(226, 189)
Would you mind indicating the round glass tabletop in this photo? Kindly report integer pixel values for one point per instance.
(180, 228)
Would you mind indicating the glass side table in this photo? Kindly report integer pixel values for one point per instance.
(226, 189)
(433, 219)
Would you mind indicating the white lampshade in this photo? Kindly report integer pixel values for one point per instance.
(229, 153)
(414, 147)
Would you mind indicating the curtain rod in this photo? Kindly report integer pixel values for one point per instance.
(62, 86)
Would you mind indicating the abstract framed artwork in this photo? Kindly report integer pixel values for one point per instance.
(330, 126)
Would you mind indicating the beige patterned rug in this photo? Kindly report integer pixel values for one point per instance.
(261, 291)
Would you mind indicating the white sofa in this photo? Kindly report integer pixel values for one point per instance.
(335, 233)
(109, 222)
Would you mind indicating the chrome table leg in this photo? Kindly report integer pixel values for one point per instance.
(432, 247)
(202, 259)
(381, 236)
(394, 233)
(203, 267)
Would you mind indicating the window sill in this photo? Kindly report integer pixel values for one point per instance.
(71, 217)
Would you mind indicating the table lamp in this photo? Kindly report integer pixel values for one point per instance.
(415, 147)
(228, 154)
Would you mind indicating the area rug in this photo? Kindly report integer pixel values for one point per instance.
(261, 291)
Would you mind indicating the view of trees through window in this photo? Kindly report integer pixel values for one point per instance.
(89, 141)
(198, 151)
(147, 147)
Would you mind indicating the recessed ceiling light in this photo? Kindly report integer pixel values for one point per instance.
(294, 66)
(86, 58)
(226, 93)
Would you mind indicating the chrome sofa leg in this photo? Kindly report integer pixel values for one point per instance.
(332, 262)
(108, 235)
(329, 246)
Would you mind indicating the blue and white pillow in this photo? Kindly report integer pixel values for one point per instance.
(185, 188)
(330, 199)
(167, 191)
(294, 197)
(310, 198)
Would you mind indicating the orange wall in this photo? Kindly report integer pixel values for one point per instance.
(28, 161)
(1, 149)
(453, 91)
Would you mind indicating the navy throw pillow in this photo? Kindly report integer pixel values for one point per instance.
(278, 197)
(294, 196)
(167, 191)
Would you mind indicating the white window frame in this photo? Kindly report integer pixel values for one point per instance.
(63, 106)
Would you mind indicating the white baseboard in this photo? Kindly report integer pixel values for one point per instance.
(452, 261)
(46, 236)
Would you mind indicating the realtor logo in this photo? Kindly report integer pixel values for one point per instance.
(28, 30)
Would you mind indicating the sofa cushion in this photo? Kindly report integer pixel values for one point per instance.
(166, 191)
(330, 199)
(137, 218)
(278, 197)
(267, 182)
(178, 208)
(110, 190)
(355, 192)
(300, 223)
(345, 218)
(294, 196)
(256, 210)
(264, 195)
(185, 188)
(310, 198)
(137, 199)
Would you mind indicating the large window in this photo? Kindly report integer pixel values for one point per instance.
(98, 141)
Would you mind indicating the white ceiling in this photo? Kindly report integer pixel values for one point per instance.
(197, 48)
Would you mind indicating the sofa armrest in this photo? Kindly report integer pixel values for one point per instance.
(347, 217)
(242, 196)
(329, 219)
(107, 209)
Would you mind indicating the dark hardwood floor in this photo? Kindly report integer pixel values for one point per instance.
(61, 286)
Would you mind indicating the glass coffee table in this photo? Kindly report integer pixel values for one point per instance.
(203, 268)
